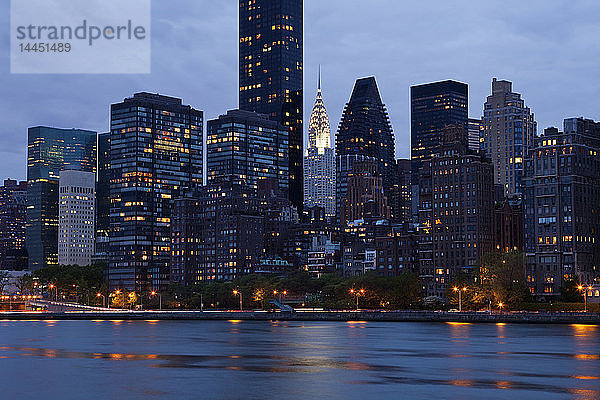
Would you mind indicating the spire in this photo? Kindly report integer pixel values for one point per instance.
(319, 131)
(319, 78)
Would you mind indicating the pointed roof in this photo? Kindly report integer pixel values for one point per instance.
(366, 90)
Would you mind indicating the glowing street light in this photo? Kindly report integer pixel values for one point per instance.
(235, 293)
(153, 293)
(584, 290)
(357, 293)
(500, 305)
(103, 300)
(459, 296)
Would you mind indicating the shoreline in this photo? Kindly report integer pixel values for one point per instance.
(339, 316)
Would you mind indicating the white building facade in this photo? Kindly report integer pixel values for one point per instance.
(319, 160)
(76, 217)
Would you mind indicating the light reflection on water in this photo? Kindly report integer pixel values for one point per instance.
(299, 360)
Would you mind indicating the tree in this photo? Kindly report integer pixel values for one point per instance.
(502, 279)
(4, 275)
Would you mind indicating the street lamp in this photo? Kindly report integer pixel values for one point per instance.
(103, 300)
(500, 305)
(53, 287)
(235, 293)
(460, 296)
(357, 293)
(131, 296)
(584, 290)
(153, 293)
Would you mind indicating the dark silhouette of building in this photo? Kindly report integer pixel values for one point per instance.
(103, 198)
(364, 131)
(217, 233)
(401, 194)
(271, 72)
(562, 207)
(155, 154)
(50, 151)
(365, 198)
(434, 106)
(508, 226)
(13, 217)
(455, 214)
(397, 252)
(249, 146)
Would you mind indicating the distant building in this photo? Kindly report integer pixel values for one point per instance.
(217, 233)
(509, 131)
(562, 207)
(156, 152)
(103, 198)
(323, 255)
(364, 132)
(508, 226)
(13, 217)
(50, 151)
(76, 217)
(401, 195)
(249, 146)
(397, 252)
(365, 197)
(319, 161)
(475, 131)
(455, 215)
(271, 74)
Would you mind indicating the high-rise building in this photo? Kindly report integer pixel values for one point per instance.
(475, 133)
(364, 131)
(103, 198)
(508, 226)
(156, 152)
(456, 201)
(434, 106)
(217, 233)
(365, 198)
(76, 217)
(50, 151)
(401, 196)
(509, 131)
(250, 147)
(271, 72)
(561, 196)
(319, 161)
(13, 217)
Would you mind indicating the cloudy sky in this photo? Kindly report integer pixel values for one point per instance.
(550, 49)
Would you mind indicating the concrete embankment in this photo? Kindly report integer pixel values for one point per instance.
(371, 316)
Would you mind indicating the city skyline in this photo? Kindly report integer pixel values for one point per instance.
(330, 41)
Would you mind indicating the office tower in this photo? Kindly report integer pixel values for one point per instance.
(13, 217)
(271, 72)
(365, 198)
(509, 131)
(455, 215)
(249, 146)
(562, 207)
(401, 194)
(76, 217)
(364, 131)
(103, 198)
(216, 233)
(50, 151)
(319, 162)
(508, 226)
(432, 107)
(155, 155)
(475, 133)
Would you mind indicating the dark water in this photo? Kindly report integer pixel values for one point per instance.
(296, 360)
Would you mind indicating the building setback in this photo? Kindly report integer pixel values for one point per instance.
(271, 72)
(509, 131)
(155, 154)
(50, 151)
(562, 207)
(217, 233)
(250, 147)
(319, 161)
(364, 132)
(76, 217)
(456, 200)
(13, 217)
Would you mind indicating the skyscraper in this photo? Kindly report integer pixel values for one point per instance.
(434, 106)
(248, 146)
(474, 133)
(155, 154)
(50, 151)
(561, 199)
(270, 72)
(365, 198)
(509, 131)
(319, 162)
(13, 217)
(103, 197)
(455, 213)
(76, 217)
(364, 131)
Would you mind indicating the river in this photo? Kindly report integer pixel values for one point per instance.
(296, 360)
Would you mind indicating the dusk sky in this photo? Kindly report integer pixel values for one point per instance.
(549, 49)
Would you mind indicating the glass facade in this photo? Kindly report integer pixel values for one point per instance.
(250, 147)
(50, 151)
(271, 72)
(13, 216)
(155, 154)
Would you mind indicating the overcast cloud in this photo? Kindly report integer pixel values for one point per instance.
(548, 48)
